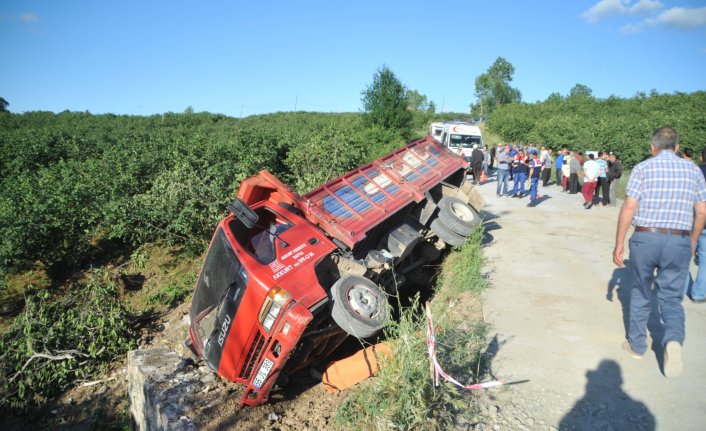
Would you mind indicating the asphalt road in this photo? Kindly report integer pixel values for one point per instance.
(556, 322)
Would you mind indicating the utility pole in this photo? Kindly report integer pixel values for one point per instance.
(296, 99)
(443, 99)
(241, 111)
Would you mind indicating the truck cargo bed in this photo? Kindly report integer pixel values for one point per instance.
(349, 206)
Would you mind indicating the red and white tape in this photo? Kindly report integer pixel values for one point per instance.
(436, 368)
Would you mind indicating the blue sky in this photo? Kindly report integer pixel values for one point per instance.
(245, 57)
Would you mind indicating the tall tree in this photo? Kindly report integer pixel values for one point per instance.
(385, 102)
(493, 87)
(3, 105)
(581, 90)
(416, 102)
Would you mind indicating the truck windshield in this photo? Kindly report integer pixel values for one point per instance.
(466, 141)
(219, 289)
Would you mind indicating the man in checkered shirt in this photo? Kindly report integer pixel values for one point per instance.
(666, 202)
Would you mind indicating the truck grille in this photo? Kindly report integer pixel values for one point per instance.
(253, 354)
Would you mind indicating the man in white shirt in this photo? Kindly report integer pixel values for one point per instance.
(591, 172)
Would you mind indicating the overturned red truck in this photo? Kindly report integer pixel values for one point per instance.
(287, 277)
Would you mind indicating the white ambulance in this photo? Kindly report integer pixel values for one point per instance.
(463, 136)
(435, 130)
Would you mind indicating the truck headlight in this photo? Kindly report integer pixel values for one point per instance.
(275, 301)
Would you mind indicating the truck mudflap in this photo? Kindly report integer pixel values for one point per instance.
(277, 351)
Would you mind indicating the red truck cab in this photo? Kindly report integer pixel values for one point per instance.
(287, 278)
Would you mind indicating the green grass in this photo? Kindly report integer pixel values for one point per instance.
(174, 293)
(402, 396)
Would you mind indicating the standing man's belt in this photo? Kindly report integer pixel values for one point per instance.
(660, 230)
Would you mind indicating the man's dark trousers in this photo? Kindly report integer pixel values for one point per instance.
(669, 254)
(606, 190)
(476, 173)
(573, 183)
(602, 187)
(546, 174)
(599, 186)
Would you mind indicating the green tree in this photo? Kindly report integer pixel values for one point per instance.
(416, 102)
(3, 105)
(493, 88)
(581, 90)
(385, 103)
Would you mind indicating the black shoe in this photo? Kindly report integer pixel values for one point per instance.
(589, 206)
(532, 204)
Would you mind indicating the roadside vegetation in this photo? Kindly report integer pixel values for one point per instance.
(403, 395)
(55, 342)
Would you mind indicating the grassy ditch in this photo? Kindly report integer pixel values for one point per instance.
(402, 395)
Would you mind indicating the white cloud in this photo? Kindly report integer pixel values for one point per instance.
(604, 9)
(682, 17)
(633, 28)
(644, 6)
(609, 8)
(29, 17)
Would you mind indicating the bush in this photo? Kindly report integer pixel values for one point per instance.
(58, 341)
(69, 181)
(614, 124)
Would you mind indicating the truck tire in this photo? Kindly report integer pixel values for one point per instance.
(446, 234)
(458, 215)
(359, 306)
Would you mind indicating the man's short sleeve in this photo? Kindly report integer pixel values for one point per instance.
(700, 187)
(634, 189)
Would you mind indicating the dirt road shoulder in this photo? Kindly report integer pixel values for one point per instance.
(556, 314)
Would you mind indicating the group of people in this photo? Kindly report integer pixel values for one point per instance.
(599, 174)
(663, 241)
(519, 165)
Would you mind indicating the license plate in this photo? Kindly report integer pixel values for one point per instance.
(265, 369)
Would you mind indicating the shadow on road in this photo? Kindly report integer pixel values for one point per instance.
(605, 406)
(621, 282)
(489, 225)
(543, 198)
(490, 352)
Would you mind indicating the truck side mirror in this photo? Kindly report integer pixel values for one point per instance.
(242, 212)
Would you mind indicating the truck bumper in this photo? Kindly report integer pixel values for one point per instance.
(283, 339)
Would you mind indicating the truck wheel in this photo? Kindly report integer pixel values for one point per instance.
(359, 306)
(446, 234)
(458, 215)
